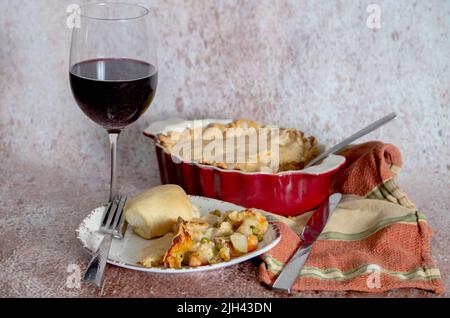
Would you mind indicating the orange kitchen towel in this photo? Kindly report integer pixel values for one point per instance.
(375, 241)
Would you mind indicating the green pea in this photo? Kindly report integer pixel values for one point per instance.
(216, 213)
(204, 240)
(254, 230)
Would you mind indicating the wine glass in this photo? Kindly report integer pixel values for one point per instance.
(113, 67)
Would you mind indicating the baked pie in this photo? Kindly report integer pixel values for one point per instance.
(244, 145)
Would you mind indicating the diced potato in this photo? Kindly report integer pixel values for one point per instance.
(206, 251)
(232, 216)
(225, 228)
(248, 226)
(239, 242)
(253, 223)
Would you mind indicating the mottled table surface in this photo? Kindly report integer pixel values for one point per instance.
(41, 208)
(314, 65)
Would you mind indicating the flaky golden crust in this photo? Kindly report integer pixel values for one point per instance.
(181, 244)
(295, 148)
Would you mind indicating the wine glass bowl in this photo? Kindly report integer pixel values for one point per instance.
(113, 92)
(113, 67)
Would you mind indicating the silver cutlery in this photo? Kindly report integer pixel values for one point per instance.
(112, 225)
(309, 235)
(375, 125)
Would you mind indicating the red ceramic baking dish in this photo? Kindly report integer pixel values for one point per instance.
(287, 193)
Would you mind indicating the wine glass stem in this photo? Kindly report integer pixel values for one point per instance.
(113, 138)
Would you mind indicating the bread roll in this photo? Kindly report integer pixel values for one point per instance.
(152, 213)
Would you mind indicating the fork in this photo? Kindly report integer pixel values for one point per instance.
(112, 225)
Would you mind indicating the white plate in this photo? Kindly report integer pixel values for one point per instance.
(125, 253)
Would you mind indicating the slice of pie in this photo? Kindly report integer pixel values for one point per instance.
(216, 238)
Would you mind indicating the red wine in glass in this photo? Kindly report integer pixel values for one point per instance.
(113, 92)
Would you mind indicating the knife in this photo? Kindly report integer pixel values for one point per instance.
(309, 235)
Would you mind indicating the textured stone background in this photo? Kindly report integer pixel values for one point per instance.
(314, 65)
